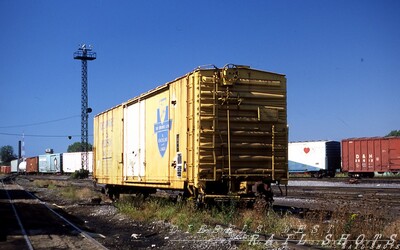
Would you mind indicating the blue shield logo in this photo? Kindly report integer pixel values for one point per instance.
(162, 127)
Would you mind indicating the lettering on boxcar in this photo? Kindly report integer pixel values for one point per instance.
(357, 158)
(162, 126)
(179, 165)
(370, 158)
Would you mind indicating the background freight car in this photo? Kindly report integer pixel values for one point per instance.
(18, 165)
(5, 169)
(32, 165)
(73, 162)
(364, 156)
(50, 163)
(211, 133)
(14, 165)
(319, 158)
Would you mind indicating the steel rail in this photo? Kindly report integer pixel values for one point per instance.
(26, 237)
(23, 231)
(81, 232)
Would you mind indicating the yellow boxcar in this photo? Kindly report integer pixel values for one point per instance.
(213, 133)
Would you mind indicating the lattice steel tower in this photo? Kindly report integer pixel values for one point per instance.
(84, 54)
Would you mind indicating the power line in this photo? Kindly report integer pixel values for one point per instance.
(43, 136)
(39, 123)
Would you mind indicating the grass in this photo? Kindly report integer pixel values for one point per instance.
(314, 227)
(67, 191)
(184, 216)
(187, 218)
(78, 193)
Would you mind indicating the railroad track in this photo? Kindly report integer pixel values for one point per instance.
(346, 179)
(380, 201)
(28, 223)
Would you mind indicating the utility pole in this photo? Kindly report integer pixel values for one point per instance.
(84, 54)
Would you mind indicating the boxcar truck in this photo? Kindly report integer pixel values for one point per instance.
(362, 157)
(318, 158)
(211, 134)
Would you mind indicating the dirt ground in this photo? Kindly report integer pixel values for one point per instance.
(116, 231)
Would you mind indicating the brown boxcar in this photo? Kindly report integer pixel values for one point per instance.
(213, 133)
(5, 169)
(364, 156)
(32, 165)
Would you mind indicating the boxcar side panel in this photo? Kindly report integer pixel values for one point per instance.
(345, 156)
(14, 166)
(368, 155)
(190, 123)
(32, 165)
(307, 156)
(178, 132)
(155, 130)
(108, 146)
(5, 169)
(134, 141)
(158, 126)
(50, 163)
(394, 150)
(384, 153)
(73, 162)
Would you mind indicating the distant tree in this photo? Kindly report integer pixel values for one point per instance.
(394, 133)
(7, 154)
(77, 147)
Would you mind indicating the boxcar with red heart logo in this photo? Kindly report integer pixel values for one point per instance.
(318, 158)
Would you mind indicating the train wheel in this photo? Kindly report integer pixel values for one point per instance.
(180, 198)
(250, 204)
(112, 193)
(199, 202)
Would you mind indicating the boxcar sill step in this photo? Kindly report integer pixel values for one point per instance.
(149, 182)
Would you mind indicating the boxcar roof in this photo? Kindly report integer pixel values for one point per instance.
(159, 88)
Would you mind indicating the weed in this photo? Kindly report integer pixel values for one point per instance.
(77, 193)
(41, 183)
(312, 227)
(80, 174)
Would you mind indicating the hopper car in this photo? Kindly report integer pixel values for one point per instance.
(212, 134)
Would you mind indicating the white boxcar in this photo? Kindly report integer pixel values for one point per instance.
(50, 163)
(14, 166)
(18, 165)
(73, 162)
(320, 158)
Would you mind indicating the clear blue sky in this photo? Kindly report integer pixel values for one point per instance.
(341, 59)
